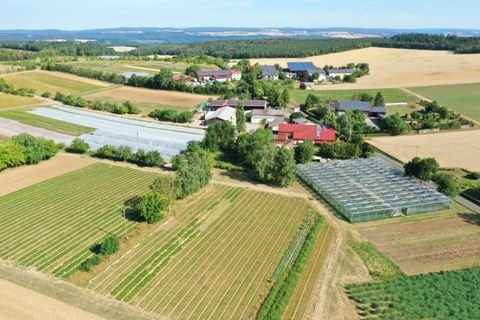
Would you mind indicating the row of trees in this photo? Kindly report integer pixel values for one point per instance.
(108, 106)
(84, 72)
(171, 115)
(26, 149)
(122, 153)
(427, 169)
(52, 49)
(433, 42)
(9, 89)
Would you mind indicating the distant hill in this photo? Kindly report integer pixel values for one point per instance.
(155, 36)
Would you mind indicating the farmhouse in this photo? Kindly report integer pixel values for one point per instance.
(128, 75)
(219, 75)
(247, 104)
(363, 106)
(332, 73)
(298, 133)
(221, 114)
(268, 115)
(269, 72)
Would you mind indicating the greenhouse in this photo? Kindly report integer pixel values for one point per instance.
(368, 189)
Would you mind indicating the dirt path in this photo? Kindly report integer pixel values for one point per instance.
(26, 294)
(10, 128)
(415, 94)
(18, 178)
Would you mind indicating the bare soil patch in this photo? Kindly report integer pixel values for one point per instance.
(451, 149)
(18, 178)
(10, 128)
(394, 68)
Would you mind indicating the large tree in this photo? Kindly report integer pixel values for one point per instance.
(422, 169)
(152, 206)
(220, 135)
(379, 100)
(241, 119)
(394, 125)
(304, 152)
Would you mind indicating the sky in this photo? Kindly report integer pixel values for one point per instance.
(89, 14)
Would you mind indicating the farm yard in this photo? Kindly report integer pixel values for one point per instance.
(53, 82)
(451, 150)
(148, 100)
(464, 98)
(169, 140)
(63, 217)
(397, 68)
(445, 240)
(121, 66)
(212, 259)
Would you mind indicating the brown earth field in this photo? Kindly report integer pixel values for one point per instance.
(432, 242)
(148, 99)
(396, 68)
(459, 149)
(18, 178)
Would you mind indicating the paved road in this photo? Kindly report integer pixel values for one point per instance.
(397, 165)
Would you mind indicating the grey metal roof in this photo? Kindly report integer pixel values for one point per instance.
(269, 71)
(353, 105)
(302, 66)
(268, 112)
(379, 110)
(225, 113)
(345, 71)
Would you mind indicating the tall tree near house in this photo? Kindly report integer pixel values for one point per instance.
(379, 100)
(241, 119)
(304, 152)
(284, 98)
(422, 169)
(167, 186)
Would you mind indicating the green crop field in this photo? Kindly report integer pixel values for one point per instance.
(212, 259)
(444, 295)
(463, 98)
(53, 225)
(152, 67)
(10, 100)
(49, 82)
(45, 123)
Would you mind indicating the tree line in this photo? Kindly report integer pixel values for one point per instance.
(26, 149)
(52, 49)
(108, 106)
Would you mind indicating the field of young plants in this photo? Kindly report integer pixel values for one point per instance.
(214, 258)
(444, 295)
(53, 225)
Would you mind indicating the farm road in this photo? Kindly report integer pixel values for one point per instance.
(10, 128)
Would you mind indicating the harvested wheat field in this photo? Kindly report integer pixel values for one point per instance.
(18, 178)
(451, 149)
(123, 48)
(148, 99)
(394, 68)
(446, 240)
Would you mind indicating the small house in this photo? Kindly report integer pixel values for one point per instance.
(222, 114)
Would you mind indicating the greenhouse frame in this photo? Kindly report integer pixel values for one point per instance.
(369, 189)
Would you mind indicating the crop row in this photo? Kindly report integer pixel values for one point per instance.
(123, 268)
(49, 224)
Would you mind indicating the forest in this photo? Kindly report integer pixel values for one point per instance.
(433, 42)
(264, 48)
(52, 49)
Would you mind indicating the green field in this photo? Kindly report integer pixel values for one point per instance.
(10, 100)
(45, 123)
(212, 259)
(445, 295)
(53, 225)
(48, 82)
(391, 95)
(463, 98)
(152, 67)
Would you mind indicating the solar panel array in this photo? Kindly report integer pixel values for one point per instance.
(169, 140)
(368, 189)
(235, 103)
(302, 66)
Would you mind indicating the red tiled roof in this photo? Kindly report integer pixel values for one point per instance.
(307, 132)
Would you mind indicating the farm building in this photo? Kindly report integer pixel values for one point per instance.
(128, 75)
(269, 72)
(179, 77)
(268, 115)
(309, 67)
(363, 106)
(332, 73)
(368, 189)
(221, 114)
(219, 75)
(298, 133)
(247, 104)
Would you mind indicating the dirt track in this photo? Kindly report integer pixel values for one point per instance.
(394, 68)
(18, 303)
(17, 178)
(10, 128)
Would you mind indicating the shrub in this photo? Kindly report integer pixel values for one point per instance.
(46, 95)
(90, 262)
(11, 155)
(473, 175)
(36, 149)
(152, 207)
(109, 245)
(78, 146)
